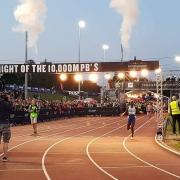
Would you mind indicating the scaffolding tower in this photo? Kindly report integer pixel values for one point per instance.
(159, 91)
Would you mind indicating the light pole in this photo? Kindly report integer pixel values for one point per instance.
(105, 48)
(81, 25)
(26, 61)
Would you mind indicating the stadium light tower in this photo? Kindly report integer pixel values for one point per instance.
(105, 48)
(81, 25)
(177, 58)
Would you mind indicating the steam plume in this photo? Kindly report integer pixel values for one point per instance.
(31, 15)
(129, 10)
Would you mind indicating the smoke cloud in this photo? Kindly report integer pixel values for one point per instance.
(129, 11)
(30, 14)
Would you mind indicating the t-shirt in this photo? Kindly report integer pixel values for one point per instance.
(131, 110)
(33, 110)
(5, 111)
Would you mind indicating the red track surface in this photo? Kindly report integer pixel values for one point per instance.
(90, 148)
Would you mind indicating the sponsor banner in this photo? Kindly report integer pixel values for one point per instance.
(79, 67)
(49, 68)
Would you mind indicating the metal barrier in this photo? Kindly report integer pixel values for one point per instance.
(22, 117)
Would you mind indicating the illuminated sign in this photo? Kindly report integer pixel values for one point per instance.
(79, 67)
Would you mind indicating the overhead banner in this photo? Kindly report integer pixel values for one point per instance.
(79, 67)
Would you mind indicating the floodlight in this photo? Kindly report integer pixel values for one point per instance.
(78, 77)
(93, 77)
(63, 77)
(82, 24)
(133, 74)
(121, 75)
(177, 58)
(105, 47)
(144, 73)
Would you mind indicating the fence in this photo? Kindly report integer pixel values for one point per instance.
(22, 117)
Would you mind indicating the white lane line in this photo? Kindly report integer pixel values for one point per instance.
(92, 160)
(109, 152)
(62, 140)
(21, 144)
(125, 167)
(52, 128)
(94, 140)
(145, 162)
(166, 147)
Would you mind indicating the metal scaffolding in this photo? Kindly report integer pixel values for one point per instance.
(159, 91)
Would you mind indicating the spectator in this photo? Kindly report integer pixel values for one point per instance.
(5, 132)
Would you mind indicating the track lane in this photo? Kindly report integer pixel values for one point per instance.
(28, 153)
(27, 138)
(69, 159)
(162, 164)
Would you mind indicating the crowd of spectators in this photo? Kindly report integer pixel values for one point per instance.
(52, 109)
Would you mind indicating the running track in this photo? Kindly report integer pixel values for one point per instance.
(90, 148)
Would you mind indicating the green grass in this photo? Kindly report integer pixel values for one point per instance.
(170, 139)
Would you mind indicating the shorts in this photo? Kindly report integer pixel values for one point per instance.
(131, 120)
(5, 133)
(33, 120)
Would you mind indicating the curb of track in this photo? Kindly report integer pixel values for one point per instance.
(166, 147)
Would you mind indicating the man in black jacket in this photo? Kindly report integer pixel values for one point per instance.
(5, 132)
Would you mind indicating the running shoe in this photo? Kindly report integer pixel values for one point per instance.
(4, 159)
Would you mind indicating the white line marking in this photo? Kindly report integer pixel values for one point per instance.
(145, 162)
(125, 167)
(93, 161)
(52, 129)
(109, 152)
(166, 147)
(62, 140)
(14, 147)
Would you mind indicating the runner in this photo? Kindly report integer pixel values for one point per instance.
(33, 109)
(149, 110)
(131, 110)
